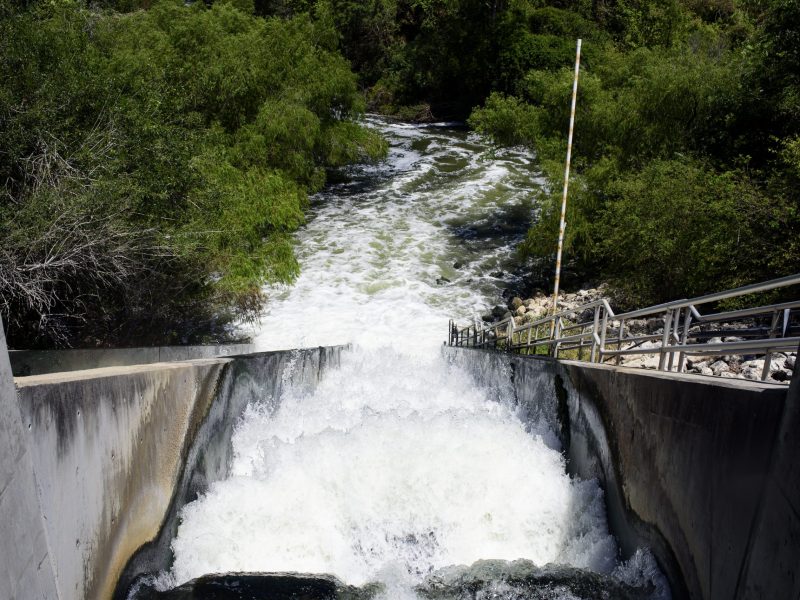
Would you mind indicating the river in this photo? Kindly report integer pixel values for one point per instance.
(397, 466)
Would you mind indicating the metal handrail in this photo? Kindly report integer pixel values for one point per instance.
(682, 333)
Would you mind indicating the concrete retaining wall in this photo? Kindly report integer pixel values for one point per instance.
(117, 451)
(698, 469)
(38, 362)
(25, 567)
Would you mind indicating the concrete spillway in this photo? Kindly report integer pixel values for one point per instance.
(97, 464)
(386, 465)
(700, 470)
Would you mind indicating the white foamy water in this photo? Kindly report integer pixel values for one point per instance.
(442, 207)
(393, 462)
(397, 464)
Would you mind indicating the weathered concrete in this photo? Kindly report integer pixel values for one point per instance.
(117, 451)
(25, 363)
(25, 568)
(698, 469)
(772, 565)
(256, 378)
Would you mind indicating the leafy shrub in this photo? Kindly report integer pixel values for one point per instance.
(173, 149)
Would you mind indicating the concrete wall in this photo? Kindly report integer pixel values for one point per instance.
(698, 469)
(25, 568)
(772, 564)
(117, 451)
(38, 362)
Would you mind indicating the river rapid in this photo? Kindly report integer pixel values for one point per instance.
(397, 466)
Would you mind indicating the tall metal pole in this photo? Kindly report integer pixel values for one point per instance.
(563, 225)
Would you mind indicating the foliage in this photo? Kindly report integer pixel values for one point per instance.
(171, 151)
(679, 225)
(685, 156)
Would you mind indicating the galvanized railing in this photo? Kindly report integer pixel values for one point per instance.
(594, 332)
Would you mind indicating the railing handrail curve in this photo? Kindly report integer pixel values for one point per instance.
(682, 322)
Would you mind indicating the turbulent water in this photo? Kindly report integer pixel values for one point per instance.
(397, 464)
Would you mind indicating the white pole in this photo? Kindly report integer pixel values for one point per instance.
(563, 225)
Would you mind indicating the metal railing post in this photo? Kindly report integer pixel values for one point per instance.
(676, 319)
(556, 336)
(603, 335)
(768, 355)
(662, 359)
(687, 323)
(594, 333)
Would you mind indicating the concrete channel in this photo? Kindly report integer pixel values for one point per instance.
(701, 470)
(95, 464)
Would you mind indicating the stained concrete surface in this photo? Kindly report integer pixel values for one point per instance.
(25, 363)
(25, 564)
(254, 378)
(116, 452)
(698, 469)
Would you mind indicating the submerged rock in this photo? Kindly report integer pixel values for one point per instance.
(261, 586)
(522, 579)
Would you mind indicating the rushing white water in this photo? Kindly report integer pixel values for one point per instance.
(375, 246)
(397, 464)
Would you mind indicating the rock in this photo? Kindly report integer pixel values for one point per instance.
(497, 274)
(522, 579)
(706, 371)
(647, 361)
(650, 345)
(509, 293)
(754, 363)
(790, 363)
(442, 281)
(531, 316)
(751, 373)
(780, 375)
(498, 311)
(720, 367)
(264, 585)
(457, 265)
(521, 310)
(636, 326)
(516, 302)
(653, 325)
(729, 375)
(700, 365)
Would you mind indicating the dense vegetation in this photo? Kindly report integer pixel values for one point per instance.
(155, 162)
(156, 155)
(687, 150)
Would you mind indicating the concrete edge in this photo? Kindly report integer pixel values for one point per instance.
(38, 362)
